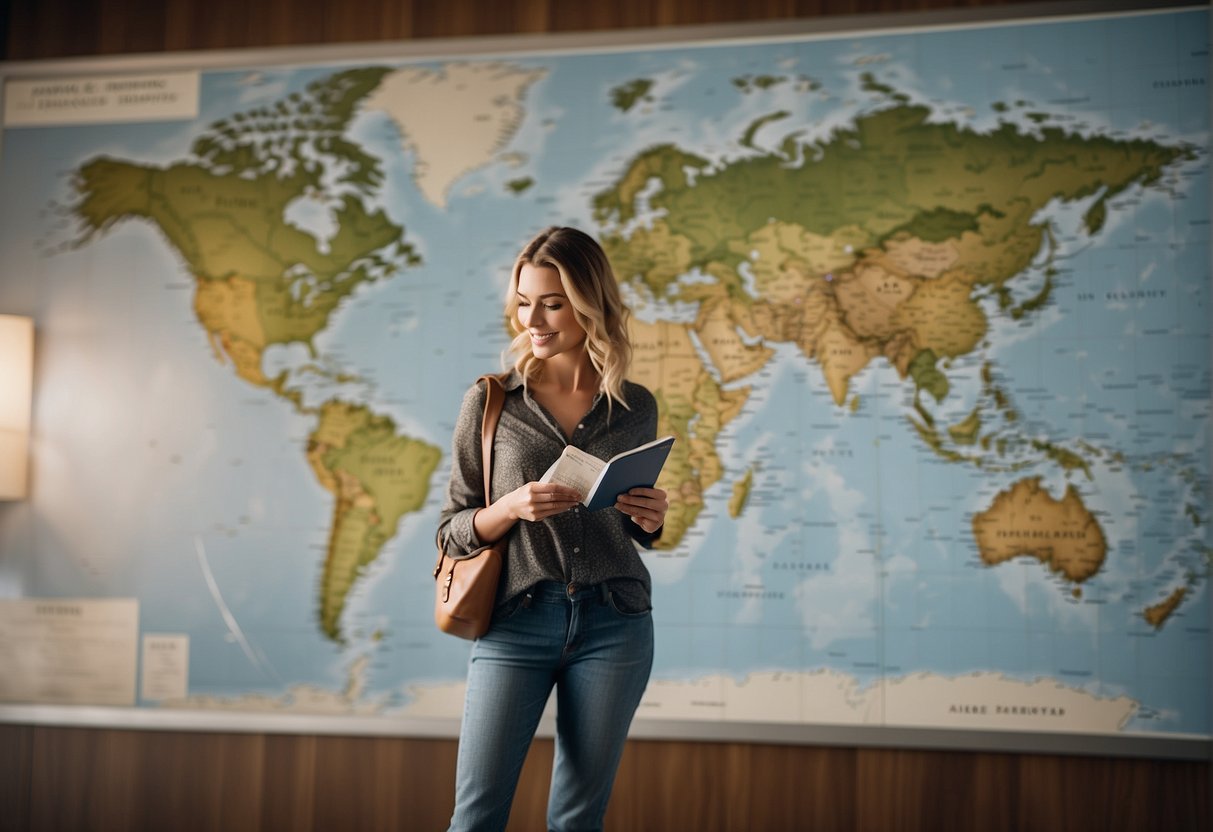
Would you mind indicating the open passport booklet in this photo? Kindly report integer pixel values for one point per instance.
(601, 482)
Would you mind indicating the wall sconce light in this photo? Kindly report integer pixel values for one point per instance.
(16, 394)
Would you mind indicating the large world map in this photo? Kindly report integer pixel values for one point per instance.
(928, 313)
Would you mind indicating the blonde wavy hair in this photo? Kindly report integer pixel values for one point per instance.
(589, 282)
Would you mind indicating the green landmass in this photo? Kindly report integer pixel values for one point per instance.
(868, 83)
(664, 162)
(741, 493)
(891, 167)
(696, 420)
(747, 139)
(790, 146)
(927, 377)
(1194, 515)
(260, 281)
(1066, 459)
(992, 389)
(749, 83)
(877, 241)
(932, 440)
(519, 186)
(263, 138)
(966, 431)
(1096, 216)
(376, 476)
(942, 224)
(625, 96)
(1038, 300)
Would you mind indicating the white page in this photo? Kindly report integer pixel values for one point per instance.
(576, 469)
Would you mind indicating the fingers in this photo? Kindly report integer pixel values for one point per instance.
(653, 499)
(538, 501)
(551, 491)
(646, 506)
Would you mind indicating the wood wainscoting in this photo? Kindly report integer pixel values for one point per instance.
(76, 779)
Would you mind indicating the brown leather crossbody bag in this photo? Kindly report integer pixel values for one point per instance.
(465, 588)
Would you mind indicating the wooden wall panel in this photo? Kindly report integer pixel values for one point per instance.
(936, 791)
(289, 782)
(116, 779)
(16, 742)
(103, 779)
(1112, 794)
(81, 779)
(60, 28)
(714, 787)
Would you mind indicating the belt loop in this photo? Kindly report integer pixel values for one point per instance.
(606, 593)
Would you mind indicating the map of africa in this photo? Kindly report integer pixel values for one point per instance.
(928, 313)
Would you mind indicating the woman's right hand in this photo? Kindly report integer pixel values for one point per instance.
(540, 500)
(533, 501)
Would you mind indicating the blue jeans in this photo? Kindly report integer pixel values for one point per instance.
(599, 659)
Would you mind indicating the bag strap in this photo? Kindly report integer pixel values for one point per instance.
(494, 401)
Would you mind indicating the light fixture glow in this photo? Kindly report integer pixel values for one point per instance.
(16, 394)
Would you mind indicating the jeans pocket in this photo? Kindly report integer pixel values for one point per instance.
(622, 613)
(511, 608)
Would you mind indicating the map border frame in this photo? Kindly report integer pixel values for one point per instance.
(1165, 746)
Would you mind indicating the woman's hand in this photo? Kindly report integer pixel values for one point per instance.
(540, 500)
(533, 501)
(646, 507)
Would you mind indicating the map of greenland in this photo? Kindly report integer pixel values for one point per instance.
(454, 119)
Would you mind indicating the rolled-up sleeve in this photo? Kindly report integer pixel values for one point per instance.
(465, 491)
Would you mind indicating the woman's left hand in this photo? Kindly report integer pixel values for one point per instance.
(646, 507)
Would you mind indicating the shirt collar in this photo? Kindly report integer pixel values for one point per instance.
(512, 380)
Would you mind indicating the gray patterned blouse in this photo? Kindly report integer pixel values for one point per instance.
(575, 547)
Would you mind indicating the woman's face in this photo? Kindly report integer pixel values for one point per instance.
(545, 312)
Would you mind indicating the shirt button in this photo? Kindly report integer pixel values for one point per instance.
(572, 589)
(576, 549)
(581, 426)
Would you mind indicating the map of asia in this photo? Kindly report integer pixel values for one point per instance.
(928, 312)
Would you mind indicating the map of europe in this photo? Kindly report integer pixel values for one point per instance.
(927, 312)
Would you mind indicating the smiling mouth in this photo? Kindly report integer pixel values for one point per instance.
(542, 339)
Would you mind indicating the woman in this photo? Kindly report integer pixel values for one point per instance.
(573, 604)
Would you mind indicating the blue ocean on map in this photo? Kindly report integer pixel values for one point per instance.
(839, 535)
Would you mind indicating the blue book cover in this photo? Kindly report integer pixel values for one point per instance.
(601, 482)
